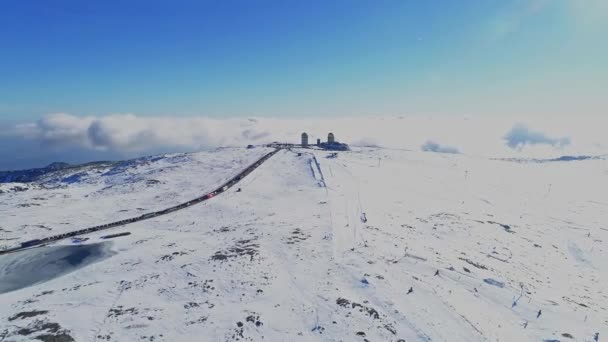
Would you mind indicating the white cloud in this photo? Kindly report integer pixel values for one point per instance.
(431, 146)
(65, 137)
(520, 135)
(56, 130)
(130, 133)
(366, 142)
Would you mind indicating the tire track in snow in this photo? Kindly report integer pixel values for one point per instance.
(345, 270)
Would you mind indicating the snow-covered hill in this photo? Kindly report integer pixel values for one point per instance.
(375, 244)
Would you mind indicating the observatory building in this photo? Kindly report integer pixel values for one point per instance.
(331, 143)
(304, 139)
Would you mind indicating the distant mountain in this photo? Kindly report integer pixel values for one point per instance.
(559, 159)
(32, 175)
(57, 166)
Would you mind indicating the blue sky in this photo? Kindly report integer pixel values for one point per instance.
(74, 73)
(294, 58)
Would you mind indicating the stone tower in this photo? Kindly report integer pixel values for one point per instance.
(330, 138)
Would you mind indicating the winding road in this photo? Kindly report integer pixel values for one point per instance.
(222, 188)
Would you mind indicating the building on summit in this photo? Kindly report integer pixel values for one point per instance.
(333, 145)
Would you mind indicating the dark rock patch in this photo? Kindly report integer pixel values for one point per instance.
(506, 227)
(345, 303)
(241, 248)
(494, 282)
(27, 314)
(474, 264)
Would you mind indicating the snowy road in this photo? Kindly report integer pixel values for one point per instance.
(233, 181)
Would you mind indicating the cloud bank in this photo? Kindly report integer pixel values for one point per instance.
(129, 133)
(431, 146)
(520, 135)
(75, 139)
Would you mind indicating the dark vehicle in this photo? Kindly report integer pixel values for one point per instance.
(250, 146)
(147, 216)
(30, 243)
(111, 236)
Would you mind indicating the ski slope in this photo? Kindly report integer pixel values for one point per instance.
(375, 244)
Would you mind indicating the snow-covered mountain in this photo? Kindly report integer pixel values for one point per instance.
(31, 175)
(373, 244)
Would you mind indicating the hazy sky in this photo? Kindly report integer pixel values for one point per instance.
(294, 58)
